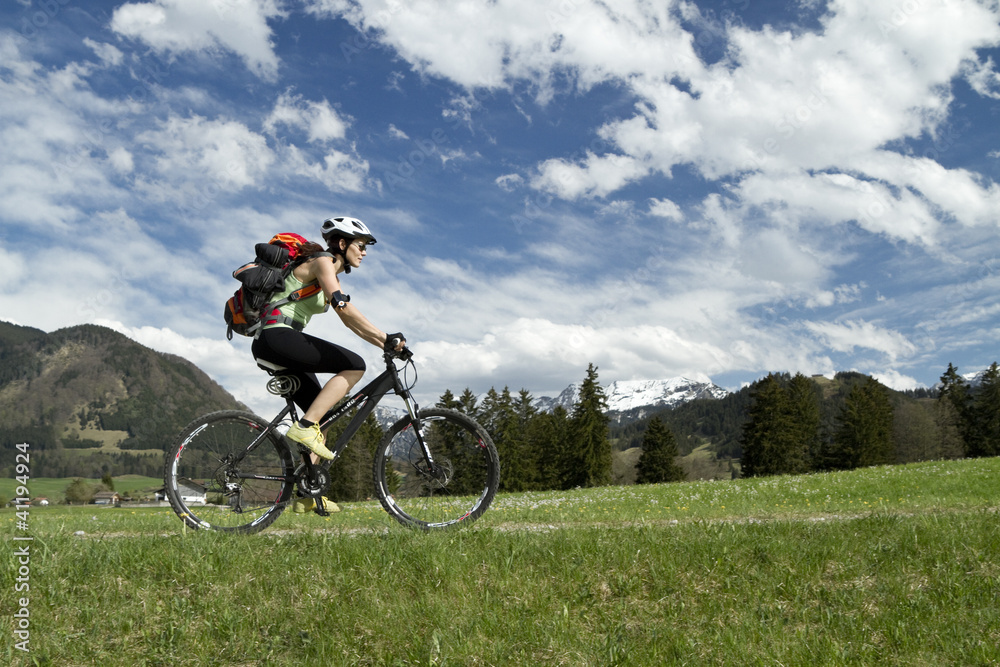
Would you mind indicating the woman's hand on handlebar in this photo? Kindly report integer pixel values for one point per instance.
(395, 345)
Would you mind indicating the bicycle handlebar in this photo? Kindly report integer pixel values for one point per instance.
(405, 354)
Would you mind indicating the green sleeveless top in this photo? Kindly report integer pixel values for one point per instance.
(299, 312)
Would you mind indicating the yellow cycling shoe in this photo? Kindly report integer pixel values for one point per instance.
(311, 438)
(303, 505)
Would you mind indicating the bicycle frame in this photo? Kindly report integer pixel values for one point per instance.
(368, 398)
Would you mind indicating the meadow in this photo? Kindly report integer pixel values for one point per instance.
(54, 488)
(889, 565)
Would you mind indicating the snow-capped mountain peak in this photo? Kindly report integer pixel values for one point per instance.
(625, 396)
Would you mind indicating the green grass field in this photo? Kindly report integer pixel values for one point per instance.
(891, 565)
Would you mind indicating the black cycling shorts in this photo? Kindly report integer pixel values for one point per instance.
(304, 356)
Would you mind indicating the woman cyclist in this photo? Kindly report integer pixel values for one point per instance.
(282, 341)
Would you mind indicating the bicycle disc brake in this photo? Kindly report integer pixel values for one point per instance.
(439, 475)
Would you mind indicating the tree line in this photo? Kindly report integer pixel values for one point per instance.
(562, 449)
(786, 432)
(781, 424)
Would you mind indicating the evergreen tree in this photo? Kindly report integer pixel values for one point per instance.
(501, 421)
(590, 464)
(525, 408)
(658, 461)
(490, 414)
(769, 432)
(530, 452)
(447, 400)
(955, 392)
(864, 428)
(467, 404)
(984, 432)
(915, 433)
(951, 444)
(108, 482)
(804, 448)
(548, 434)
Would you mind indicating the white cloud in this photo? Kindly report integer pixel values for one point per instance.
(336, 170)
(320, 121)
(492, 45)
(840, 295)
(595, 176)
(223, 361)
(957, 192)
(845, 336)
(397, 133)
(803, 199)
(543, 349)
(771, 255)
(983, 78)
(121, 160)
(896, 380)
(109, 54)
(180, 26)
(794, 109)
(509, 182)
(13, 268)
(664, 208)
(55, 129)
(223, 152)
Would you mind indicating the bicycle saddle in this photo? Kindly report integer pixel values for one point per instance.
(269, 366)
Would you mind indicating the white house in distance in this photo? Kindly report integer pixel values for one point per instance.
(107, 498)
(192, 493)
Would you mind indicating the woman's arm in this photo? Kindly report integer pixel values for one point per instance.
(354, 320)
(324, 270)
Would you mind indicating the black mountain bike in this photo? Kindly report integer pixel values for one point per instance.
(233, 471)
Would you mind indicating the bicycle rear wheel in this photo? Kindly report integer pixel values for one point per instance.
(459, 484)
(215, 481)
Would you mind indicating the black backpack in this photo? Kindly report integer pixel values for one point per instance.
(261, 279)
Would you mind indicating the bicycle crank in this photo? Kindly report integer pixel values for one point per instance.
(313, 480)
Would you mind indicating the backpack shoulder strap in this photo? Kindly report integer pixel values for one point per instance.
(301, 260)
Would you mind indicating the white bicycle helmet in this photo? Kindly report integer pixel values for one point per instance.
(345, 227)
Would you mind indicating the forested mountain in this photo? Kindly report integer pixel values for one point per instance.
(91, 401)
(921, 428)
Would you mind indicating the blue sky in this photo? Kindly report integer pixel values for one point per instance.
(658, 188)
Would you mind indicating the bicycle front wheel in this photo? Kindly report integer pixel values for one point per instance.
(456, 484)
(227, 472)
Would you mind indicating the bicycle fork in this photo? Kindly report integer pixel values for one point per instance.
(433, 471)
